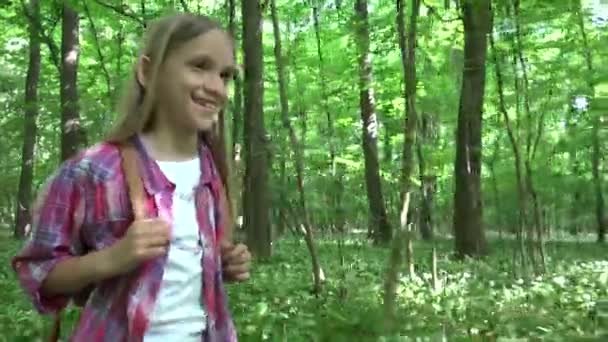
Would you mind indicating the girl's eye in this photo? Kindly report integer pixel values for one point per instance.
(227, 76)
(202, 64)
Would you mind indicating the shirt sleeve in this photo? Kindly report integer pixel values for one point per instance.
(57, 215)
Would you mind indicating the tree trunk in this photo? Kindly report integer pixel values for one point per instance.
(426, 192)
(72, 133)
(293, 140)
(24, 194)
(596, 150)
(238, 87)
(521, 190)
(237, 131)
(403, 235)
(379, 220)
(597, 182)
(468, 227)
(255, 197)
(491, 164)
(334, 191)
(535, 234)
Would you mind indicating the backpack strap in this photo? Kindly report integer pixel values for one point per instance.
(135, 185)
(135, 188)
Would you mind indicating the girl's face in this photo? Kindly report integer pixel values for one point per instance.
(192, 82)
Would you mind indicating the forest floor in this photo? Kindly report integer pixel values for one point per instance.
(476, 300)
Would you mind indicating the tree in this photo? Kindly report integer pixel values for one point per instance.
(255, 196)
(469, 235)
(403, 237)
(24, 195)
(295, 145)
(72, 134)
(381, 227)
(596, 122)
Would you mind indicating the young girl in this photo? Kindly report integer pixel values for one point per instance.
(160, 277)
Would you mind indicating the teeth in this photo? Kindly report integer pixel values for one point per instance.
(204, 104)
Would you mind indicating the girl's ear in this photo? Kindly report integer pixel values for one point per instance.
(143, 70)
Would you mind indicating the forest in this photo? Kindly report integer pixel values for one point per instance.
(407, 170)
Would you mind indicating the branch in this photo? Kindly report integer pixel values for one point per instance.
(99, 53)
(54, 55)
(122, 11)
(433, 11)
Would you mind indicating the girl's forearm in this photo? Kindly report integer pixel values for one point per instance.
(74, 274)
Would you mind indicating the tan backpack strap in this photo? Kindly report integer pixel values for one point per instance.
(135, 186)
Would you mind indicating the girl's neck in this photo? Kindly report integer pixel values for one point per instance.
(169, 145)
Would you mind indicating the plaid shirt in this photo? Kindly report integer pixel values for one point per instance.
(84, 207)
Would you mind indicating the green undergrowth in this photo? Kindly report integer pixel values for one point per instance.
(476, 300)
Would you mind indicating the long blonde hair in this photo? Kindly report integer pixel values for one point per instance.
(136, 106)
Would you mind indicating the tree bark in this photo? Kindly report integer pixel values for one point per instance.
(237, 108)
(425, 223)
(256, 196)
(468, 226)
(407, 46)
(521, 190)
(536, 236)
(494, 181)
(596, 148)
(72, 133)
(597, 182)
(24, 194)
(335, 190)
(237, 130)
(379, 220)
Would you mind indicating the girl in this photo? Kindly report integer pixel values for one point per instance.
(158, 277)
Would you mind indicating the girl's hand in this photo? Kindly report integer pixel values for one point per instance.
(143, 240)
(236, 261)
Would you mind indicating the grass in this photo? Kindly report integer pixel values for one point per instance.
(477, 301)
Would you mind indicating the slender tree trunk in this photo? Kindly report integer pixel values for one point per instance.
(334, 191)
(596, 150)
(424, 219)
(468, 226)
(521, 191)
(536, 236)
(120, 47)
(256, 196)
(491, 166)
(597, 181)
(24, 194)
(330, 122)
(238, 87)
(379, 220)
(402, 238)
(293, 139)
(237, 130)
(72, 133)
(105, 116)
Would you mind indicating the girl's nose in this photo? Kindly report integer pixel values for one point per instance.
(214, 85)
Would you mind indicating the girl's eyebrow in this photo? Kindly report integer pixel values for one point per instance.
(202, 58)
(230, 69)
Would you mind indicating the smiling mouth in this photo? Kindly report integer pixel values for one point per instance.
(206, 104)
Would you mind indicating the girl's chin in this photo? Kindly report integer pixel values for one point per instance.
(205, 124)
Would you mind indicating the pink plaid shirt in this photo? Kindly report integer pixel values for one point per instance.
(84, 207)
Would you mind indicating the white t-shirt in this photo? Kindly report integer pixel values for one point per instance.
(179, 314)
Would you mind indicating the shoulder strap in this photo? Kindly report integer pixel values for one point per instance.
(135, 188)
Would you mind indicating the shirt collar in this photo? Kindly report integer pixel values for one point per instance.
(154, 179)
